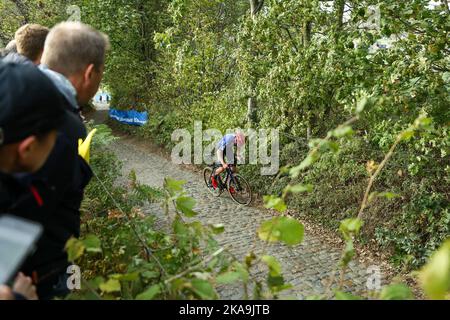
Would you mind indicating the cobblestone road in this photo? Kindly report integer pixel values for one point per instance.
(307, 266)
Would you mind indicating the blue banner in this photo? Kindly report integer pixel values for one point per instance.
(130, 117)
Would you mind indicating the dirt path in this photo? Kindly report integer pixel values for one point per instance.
(307, 266)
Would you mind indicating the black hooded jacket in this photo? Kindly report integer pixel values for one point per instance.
(59, 188)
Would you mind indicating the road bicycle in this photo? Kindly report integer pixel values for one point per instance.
(236, 185)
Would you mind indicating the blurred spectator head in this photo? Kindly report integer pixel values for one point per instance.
(77, 51)
(30, 40)
(11, 47)
(31, 109)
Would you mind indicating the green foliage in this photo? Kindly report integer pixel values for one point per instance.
(308, 72)
(396, 292)
(285, 229)
(201, 60)
(346, 296)
(14, 14)
(350, 227)
(435, 276)
(123, 254)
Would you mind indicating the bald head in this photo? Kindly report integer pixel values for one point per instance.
(72, 46)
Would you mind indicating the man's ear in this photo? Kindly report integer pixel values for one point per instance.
(26, 146)
(88, 72)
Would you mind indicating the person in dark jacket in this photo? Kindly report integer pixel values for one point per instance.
(31, 109)
(73, 58)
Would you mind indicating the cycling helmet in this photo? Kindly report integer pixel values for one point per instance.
(240, 138)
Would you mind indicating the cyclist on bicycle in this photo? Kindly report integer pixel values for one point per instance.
(226, 149)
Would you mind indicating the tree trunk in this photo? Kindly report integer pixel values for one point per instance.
(251, 112)
(255, 7)
(340, 7)
(306, 34)
(445, 3)
(23, 10)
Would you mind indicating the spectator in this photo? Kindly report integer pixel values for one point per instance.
(30, 40)
(10, 48)
(73, 58)
(30, 111)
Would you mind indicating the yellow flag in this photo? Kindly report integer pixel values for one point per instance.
(84, 147)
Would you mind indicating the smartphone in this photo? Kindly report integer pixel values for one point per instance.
(17, 240)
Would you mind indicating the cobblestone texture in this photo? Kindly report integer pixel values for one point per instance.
(307, 266)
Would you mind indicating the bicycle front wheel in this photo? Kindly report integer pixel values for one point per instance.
(239, 190)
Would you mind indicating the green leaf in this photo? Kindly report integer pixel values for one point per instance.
(92, 243)
(75, 249)
(284, 229)
(249, 259)
(228, 277)
(173, 186)
(364, 103)
(407, 135)
(268, 232)
(242, 271)
(343, 131)
(340, 295)
(218, 228)
(423, 122)
(203, 289)
(350, 227)
(112, 285)
(186, 206)
(387, 195)
(292, 231)
(150, 293)
(133, 276)
(180, 228)
(309, 160)
(435, 275)
(197, 227)
(150, 274)
(274, 202)
(273, 264)
(396, 292)
(349, 253)
(446, 77)
(332, 146)
(96, 282)
(299, 188)
(276, 283)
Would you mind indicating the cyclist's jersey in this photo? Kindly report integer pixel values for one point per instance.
(226, 141)
(226, 144)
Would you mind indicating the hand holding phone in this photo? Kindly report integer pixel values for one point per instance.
(17, 239)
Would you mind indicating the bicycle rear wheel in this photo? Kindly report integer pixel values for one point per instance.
(239, 190)
(207, 175)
